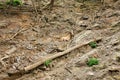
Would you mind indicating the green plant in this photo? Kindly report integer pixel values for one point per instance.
(93, 44)
(92, 61)
(1, 5)
(47, 63)
(14, 2)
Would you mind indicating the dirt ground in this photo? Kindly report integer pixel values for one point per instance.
(27, 37)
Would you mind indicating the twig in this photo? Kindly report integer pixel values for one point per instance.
(66, 68)
(17, 33)
(2, 63)
(4, 57)
(51, 57)
(1, 60)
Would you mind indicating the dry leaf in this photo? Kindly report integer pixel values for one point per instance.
(66, 37)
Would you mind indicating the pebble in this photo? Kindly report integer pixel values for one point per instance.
(3, 25)
(117, 77)
(12, 50)
(85, 17)
(117, 57)
(90, 73)
(115, 24)
(82, 24)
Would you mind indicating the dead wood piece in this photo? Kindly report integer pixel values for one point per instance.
(16, 34)
(1, 60)
(3, 64)
(51, 57)
(13, 36)
(12, 50)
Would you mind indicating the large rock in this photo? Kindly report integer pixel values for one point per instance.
(84, 37)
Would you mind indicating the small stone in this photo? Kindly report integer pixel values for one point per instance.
(99, 67)
(108, 78)
(82, 24)
(96, 25)
(85, 17)
(115, 24)
(117, 77)
(90, 73)
(79, 22)
(97, 16)
(114, 69)
(47, 69)
(29, 46)
(118, 59)
(117, 48)
(3, 76)
(117, 55)
(3, 25)
(71, 22)
(12, 50)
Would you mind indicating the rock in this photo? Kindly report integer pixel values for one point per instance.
(29, 46)
(114, 69)
(96, 25)
(114, 40)
(66, 36)
(79, 22)
(55, 17)
(81, 61)
(71, 22)
(108, 78)
(116, 13)
(117, 5)
(98, 15)
(45, 19)
(108, 13)
(3, 25)
(84, 36)
(43, 40)
(80, 1)
(85, 17)
(117, 57)
(112, 14)
(117, 77)
(90, 74)
(117, 48)
(99, 67)
(82, 24)
(12, 50)
(116, 24)
(3, 75)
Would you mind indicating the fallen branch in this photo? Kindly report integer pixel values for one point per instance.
(13, 36)
(51, 57)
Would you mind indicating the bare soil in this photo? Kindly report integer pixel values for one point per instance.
(26, 37)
